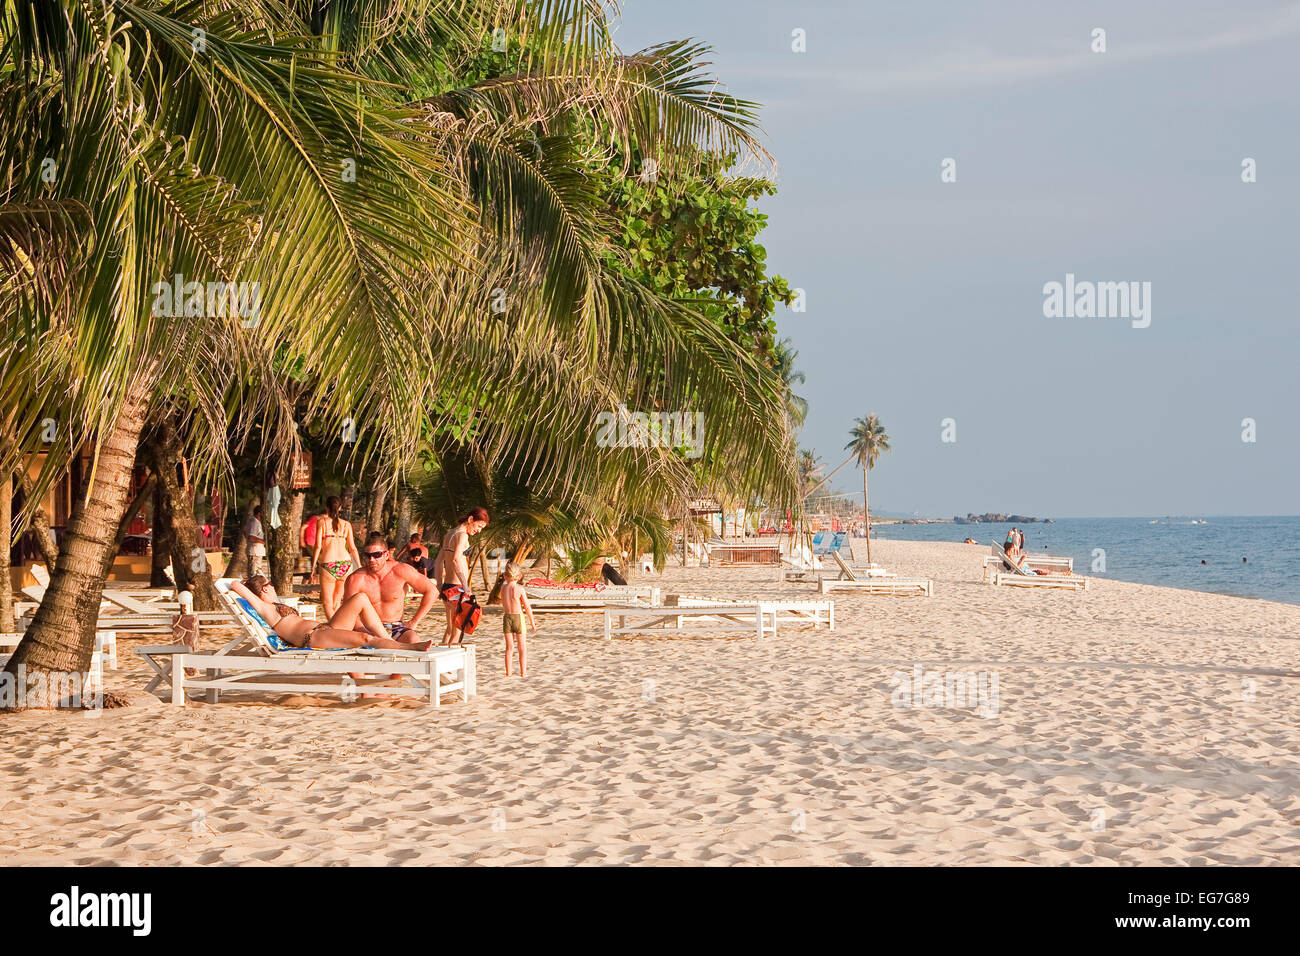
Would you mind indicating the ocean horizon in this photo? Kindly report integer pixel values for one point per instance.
(1162, 550)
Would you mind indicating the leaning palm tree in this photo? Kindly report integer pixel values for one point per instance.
(234, 143)
(868, 440)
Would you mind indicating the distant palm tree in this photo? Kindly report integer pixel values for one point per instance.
(868, 441)
(796, 408)
(810, 471)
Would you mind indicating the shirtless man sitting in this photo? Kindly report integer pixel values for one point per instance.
(451, 568)
(385, 582)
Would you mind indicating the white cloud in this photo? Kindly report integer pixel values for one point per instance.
(966, 67)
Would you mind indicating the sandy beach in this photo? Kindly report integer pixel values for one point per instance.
(1133, 725)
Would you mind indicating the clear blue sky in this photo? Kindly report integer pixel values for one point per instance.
(925, 299)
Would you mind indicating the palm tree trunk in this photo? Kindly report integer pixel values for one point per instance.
(160, 543)
(61, 638)
(40, 526)
(297, 505)
(402, 504)
(282, 542)
(237, 566)
(378, 497)
(866, 513)
(6, 546)
(190, 565)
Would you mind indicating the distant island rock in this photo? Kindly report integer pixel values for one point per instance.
(995, 518)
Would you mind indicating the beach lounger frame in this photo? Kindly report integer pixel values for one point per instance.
(1011, 575)
(997, 561)
(547, 600)
(664, 621)
(268, 670)
(797, 612)
(94, 676)
(883, 584)
(726, 554)
(105, 645)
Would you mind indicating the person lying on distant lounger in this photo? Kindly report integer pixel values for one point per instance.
(1019, 559)
(341, 630)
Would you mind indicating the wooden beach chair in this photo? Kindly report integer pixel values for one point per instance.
(748, 554)
(668, 621)
(798, 612)
(996, 560)
(793, 574)
(137, 611)
(873, 584)
(548, 599)
(1013, 575)
(272, 666)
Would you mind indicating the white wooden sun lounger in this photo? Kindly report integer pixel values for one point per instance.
(552, 600)
(300, 670)
(685, 620)
(137, 610)
(94, 676)
(996, 561)
(105, 646)
(878, 583)
(812, 612)
(1010, 574)
(801, 568)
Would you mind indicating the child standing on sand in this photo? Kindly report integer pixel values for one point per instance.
(514, 602)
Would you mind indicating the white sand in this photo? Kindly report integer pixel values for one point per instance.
(1135, 725)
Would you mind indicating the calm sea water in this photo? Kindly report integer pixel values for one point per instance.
(1168, 553)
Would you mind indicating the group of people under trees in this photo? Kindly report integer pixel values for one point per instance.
(363, 595)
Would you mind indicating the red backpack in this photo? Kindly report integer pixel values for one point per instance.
(467, 615)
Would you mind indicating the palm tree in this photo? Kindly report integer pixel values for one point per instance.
(868, 440)
(811, 470)
(234, 143)
(784, 359)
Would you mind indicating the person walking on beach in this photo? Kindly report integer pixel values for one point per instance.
(307, 537)
(335, 555)
(1010, 544)
(451, 568)
(385, 582)
(256, 538)
(514, 605)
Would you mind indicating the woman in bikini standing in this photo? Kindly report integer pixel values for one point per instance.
(451, 569)
(336, 555)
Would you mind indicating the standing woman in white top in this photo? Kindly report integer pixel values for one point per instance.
(336, 555)
(256, 540)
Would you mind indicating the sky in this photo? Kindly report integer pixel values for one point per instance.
(924, 299)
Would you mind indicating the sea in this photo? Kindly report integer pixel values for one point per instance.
(1168, 551)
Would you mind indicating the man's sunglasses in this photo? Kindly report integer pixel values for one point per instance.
(373, 555)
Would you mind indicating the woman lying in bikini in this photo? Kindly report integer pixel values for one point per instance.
(355, 624)
(1020, 559)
